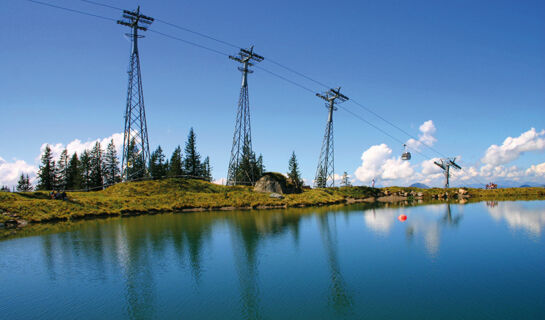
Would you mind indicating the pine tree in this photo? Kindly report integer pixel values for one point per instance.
(73, 174)
(85, 170)
(157, 165)
(321, 179)
(249, 169)
(97, 164)
(61, 171)
(136, 168)
(175, 166)
(23, 185)
(294, 173)
(260, 167)
(207, 170)
(46, 172)
(344, 180)
(112, 173)
(192, 160)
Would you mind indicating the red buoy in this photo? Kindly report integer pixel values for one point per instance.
(402, 217)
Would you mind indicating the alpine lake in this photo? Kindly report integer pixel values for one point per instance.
(483, 260)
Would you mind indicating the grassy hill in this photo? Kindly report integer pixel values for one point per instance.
(156, 196)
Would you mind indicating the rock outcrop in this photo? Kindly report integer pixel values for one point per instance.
(271, 182)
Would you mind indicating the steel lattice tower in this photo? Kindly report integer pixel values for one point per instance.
(326, 163)
(242, 138)
(135, 114)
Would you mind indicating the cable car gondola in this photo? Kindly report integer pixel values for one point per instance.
(406, 154)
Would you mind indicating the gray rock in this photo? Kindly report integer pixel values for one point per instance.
(276, 195)
(268, 183)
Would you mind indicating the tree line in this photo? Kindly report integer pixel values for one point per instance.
(96, 168)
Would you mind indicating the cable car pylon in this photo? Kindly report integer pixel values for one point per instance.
(445, 164)
(326, 165)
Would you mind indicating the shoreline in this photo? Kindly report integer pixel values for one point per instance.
(18, 210)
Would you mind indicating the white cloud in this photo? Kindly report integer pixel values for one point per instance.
(512, 148)
(78, 146)
(11, 171)
(221, 181)
(427, 129)
(372, 161)
(378, 163)
(429, 167)
(536, 170)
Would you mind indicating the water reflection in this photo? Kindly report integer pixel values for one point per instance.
(427, 225)
(340, 299)
(519, 215)
(328, 260)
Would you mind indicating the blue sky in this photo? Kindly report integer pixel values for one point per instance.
(475, 68)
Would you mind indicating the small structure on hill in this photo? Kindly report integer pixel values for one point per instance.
(491, 186)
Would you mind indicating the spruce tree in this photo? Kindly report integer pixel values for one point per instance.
(260, 167)
(112, 173)
(192, 160)
(85, 170)
(97, 164)
(136, 168)
(321, 179)
(344, 180)
(46, 172)
(61, 170)
(175, 166)
(294, 173)
(73, 174)
(207, 170)
(157, 165)
(249, 169)
(23, 185)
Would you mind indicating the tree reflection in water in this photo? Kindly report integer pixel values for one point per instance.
(340, 297)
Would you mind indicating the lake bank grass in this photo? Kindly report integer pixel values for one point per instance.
(178, 195)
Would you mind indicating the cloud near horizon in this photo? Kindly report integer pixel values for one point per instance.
(11, 171)
(379, 162)
(513, 148)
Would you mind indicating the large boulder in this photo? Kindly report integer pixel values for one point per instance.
(271, 182)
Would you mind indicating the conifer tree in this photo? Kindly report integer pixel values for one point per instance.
(344, 180)
(73, 174)
(23, 185)
(157, 166)
(136, 168)
(294, 173)
(112, 173)
(97, 164)
(249, 169)
(85, 170)
(321, 179)
(175, 166)
(192, 160)
(46, 172)
(61, 171)
(207, 170)
(260, 167)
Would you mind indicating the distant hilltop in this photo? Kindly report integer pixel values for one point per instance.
(419, 185)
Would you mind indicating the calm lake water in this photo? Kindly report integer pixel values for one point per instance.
(473, 261)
